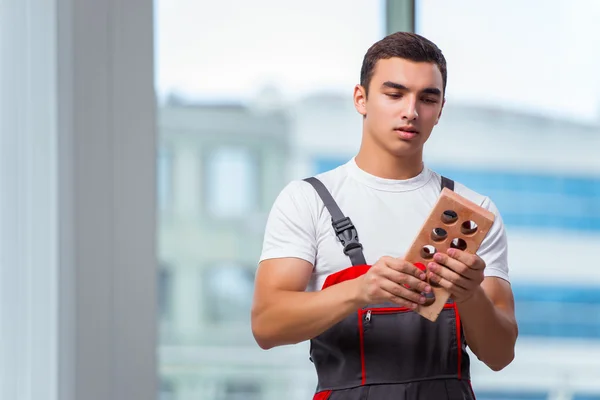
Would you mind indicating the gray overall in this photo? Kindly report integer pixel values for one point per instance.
(384, 351)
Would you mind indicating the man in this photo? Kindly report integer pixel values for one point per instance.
(343, 286)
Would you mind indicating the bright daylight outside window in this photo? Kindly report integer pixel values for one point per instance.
(246, 91)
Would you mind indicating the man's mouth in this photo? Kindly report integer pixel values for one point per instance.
(406, 132)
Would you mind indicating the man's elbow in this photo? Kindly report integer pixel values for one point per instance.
(263, 340)
(264, 343)
(508, 356)
(264, 337)
(498, 364)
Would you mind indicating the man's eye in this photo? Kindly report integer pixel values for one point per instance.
(430, 101)
(394, 95)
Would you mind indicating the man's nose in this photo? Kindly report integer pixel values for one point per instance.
(409, 111)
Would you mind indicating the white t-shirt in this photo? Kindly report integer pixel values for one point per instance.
(387, 214)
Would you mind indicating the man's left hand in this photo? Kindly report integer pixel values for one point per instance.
(458, 272)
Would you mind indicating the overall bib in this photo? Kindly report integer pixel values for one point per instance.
(384, 351)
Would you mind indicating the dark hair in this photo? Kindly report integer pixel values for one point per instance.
(405, 45)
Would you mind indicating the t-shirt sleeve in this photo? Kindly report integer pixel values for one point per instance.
(494, 248)
(290, 228)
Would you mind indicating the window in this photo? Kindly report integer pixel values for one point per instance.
(241, 167)
(241, 390)
(586, 397)
(165, 292)
(227, 292)
(557, 311)
(483, 69)
(164, 178)
(526, 199)
(166, 390)
(232, 182)
(501, 395)
(536, 200)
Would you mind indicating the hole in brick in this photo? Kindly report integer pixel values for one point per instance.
(429, 298)
(458, 243)
(427, 252)
(468, 227)
(449, 216)
(432, 283)
(439, 234)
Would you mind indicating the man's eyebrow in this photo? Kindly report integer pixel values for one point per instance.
(394, 85)
(398, 86)
(432, 90)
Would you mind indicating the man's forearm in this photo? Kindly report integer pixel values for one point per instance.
(292, 317)
(490, 332)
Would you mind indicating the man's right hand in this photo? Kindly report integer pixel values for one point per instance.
(387, 281)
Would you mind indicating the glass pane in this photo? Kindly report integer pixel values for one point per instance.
(165, 293)
(248, 94)
(227, 293)
(232, 182)
(522, 58)
(523, 113)
(164, 178)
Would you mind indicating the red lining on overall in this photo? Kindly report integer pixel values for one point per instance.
(324, 395)
(358, 270)
(458, 340)
(346, 275)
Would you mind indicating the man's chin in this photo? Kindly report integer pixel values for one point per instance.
(405, 148)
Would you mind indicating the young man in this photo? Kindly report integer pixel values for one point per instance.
(316, 282)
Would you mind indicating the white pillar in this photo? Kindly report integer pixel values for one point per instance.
(77, 194)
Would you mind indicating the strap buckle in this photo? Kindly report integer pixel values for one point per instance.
(347, 234)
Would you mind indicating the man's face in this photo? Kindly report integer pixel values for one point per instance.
(404, 103)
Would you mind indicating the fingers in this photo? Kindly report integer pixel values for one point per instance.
(400, 265)
(453, 264)
(446, 277)
(400, 295)
(447, 284)
(470, 260)
(410, 281)
(396, 281)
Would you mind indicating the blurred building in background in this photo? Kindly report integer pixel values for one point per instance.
(219, 168)
(222, 164)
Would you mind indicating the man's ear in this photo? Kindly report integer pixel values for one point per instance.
(441, 109)
(360, 100)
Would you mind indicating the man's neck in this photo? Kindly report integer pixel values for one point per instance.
(388, 166)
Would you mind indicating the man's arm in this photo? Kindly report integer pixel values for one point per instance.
(283, 313)
(489, 323)
(479, 285)
(485, 305)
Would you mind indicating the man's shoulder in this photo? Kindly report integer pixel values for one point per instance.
(300, 190)
(334, 176)
(331, 179)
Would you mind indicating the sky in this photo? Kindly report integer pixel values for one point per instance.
(535, 56)
(541, 56)
(228, 49)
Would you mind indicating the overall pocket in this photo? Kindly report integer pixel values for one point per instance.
(398, 345)
(336, 355)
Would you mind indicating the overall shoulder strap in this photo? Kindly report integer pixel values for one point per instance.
(342, 225)
(447, 183)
